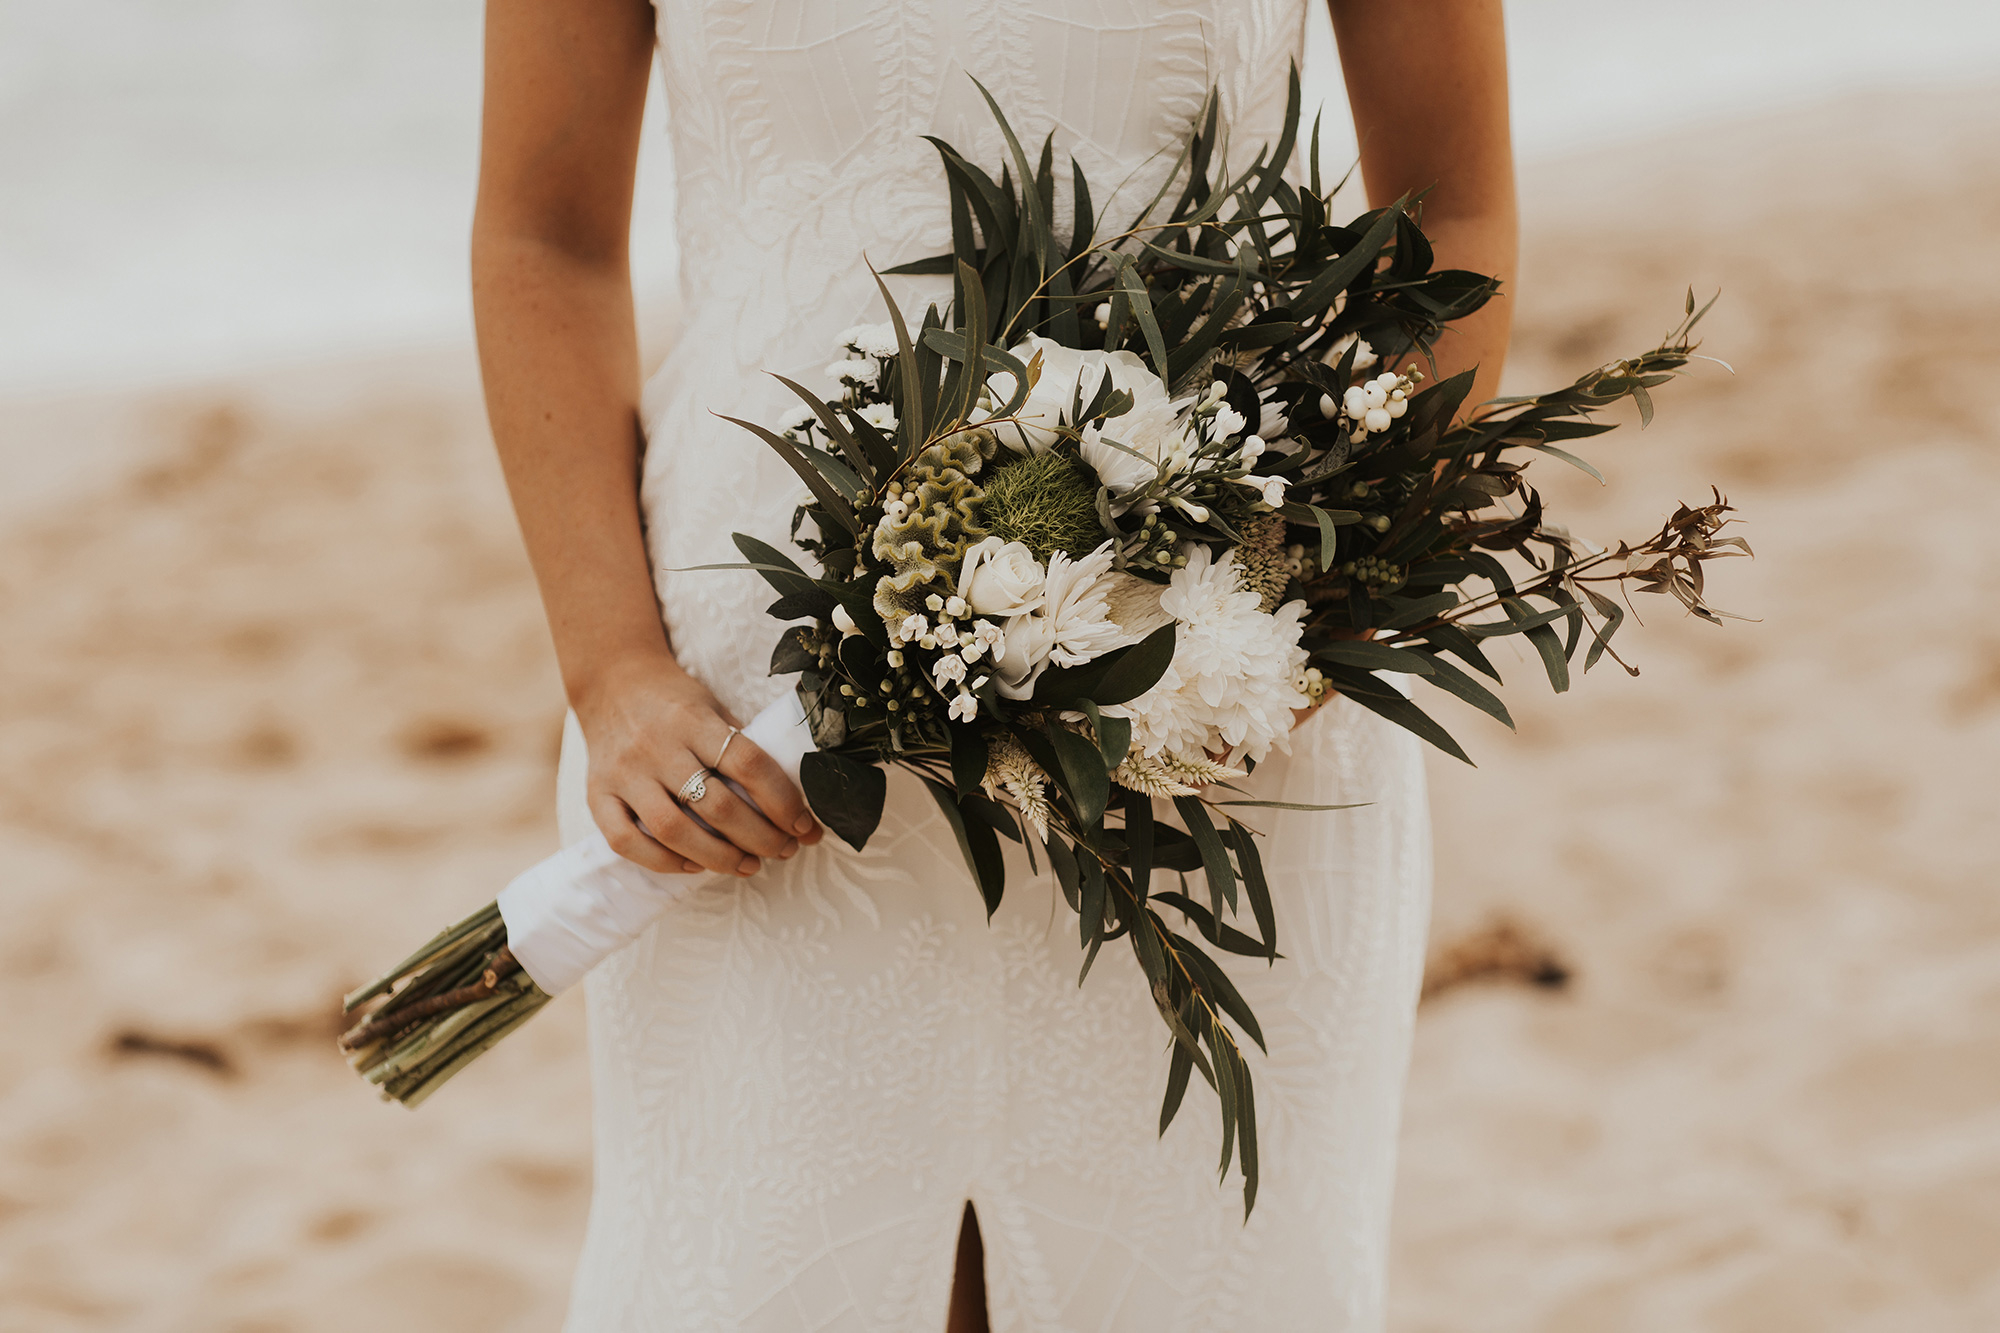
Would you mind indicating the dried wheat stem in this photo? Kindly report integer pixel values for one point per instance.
(384, 1021)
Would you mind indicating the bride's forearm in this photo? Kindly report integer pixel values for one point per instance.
(1427, 81)
(560, 364)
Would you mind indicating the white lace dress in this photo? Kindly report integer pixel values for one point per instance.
(801, 1079)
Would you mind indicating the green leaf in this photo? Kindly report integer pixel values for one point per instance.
(1090, 915)
(1421, 608)
(1082, 773)
(829, 498)
(976, 842)
(911, 427)
(778, 569)
(1217, 983)
(845, 794)
(865, 467)
(968, 758)
(1214, 856)
(1139, 840)
(859, 599)
(1410, 717)
(1454, 681)
(1062, 857)
(1119, 676)
(1137, 669)
(814, 601)
(1554, 660)
(1571, 459)
(1178, 1069)
(1338, 275)
(1255, 887)
(1614, 614)
(1326, 519)
(791, 654)
(1246, 1147)
(1219, 933)
(1142, 308)
(1372, 656)
(930, 266)
(1114, 734)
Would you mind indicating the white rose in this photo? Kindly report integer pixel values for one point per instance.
(1028, 641)
(1068, 376)
(1001, 578)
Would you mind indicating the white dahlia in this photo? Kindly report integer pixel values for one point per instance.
(1233, 682)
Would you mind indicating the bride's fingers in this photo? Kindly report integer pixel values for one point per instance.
(737, 820)
(621, 829)
(774, 793)
(671, 825)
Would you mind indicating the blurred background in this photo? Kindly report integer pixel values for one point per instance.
(1711, 1036)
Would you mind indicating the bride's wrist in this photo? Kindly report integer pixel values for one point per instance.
(613, 676)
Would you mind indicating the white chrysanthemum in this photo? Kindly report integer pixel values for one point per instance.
(879, 415)
(863, 370)
(1233, 681)
(1080, 622)
(878, 340)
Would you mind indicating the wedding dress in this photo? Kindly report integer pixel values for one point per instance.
(802, 1078)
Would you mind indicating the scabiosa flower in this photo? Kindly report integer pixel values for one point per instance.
(1233, 679)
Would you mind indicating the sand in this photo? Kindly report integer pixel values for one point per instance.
(276, 700)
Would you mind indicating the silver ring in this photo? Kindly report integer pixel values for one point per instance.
(695, 787)
(733, 734)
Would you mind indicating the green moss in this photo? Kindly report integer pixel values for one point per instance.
(1047, 503)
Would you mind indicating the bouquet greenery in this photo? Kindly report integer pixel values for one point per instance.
(1087, 540)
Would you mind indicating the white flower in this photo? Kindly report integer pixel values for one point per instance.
(948, 670)
(1233, 679)
(1080, 623)
(879, 415)
(1229, 423)
(1272, 420)
(1364, 357)
(844, 622)
(856, 370)
(1001, 578)
(877, 340)
(955, 607)
(913, 627)
(1270, 489)
(1024, 655)
(964, 708)
(1067, 376)
(984, 637)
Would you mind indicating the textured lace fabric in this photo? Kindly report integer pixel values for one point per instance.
(801, 1078)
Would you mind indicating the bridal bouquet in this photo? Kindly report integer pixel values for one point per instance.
(1086, 542)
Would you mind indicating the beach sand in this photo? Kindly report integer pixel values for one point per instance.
(276, 701)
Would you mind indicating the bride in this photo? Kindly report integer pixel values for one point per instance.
(830, 1095)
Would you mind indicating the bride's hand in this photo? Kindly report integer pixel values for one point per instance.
(649, 726)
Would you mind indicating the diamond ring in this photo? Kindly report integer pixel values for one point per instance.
(695, 787)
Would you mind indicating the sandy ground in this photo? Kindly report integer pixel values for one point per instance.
(276, 700)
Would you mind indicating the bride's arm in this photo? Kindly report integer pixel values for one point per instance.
(1427, 82)
(552, 299)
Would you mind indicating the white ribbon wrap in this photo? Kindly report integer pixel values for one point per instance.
(569, 913)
